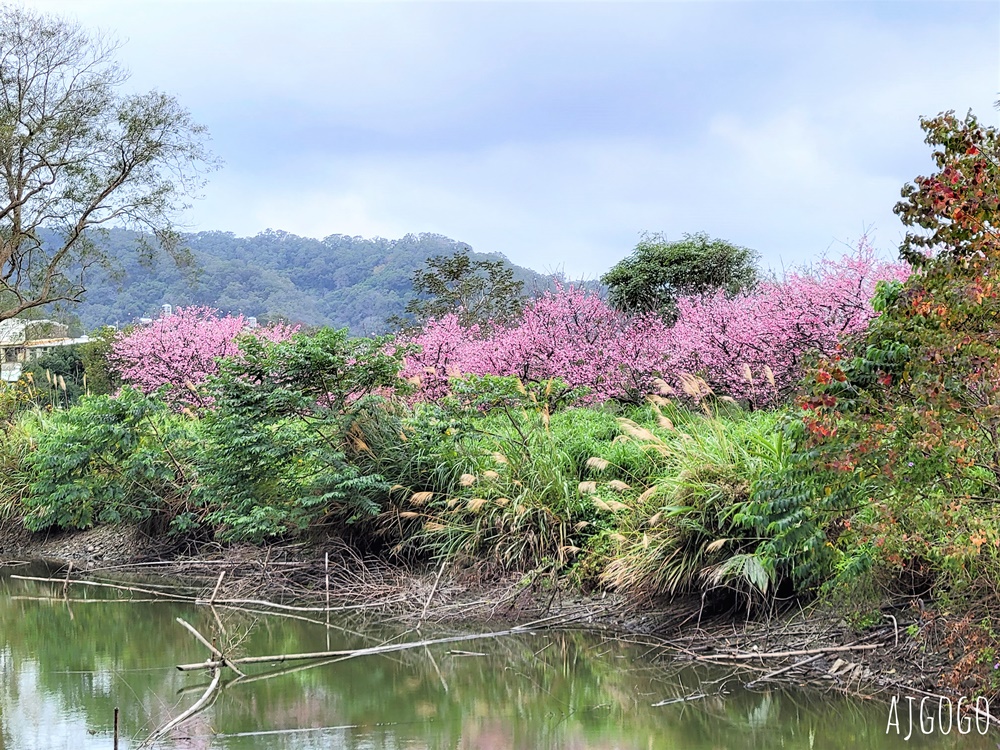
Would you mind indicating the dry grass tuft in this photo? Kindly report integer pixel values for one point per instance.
(476, 503)
(597, 464)
(648, 494)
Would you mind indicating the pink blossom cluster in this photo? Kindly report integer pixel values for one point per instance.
(750, 347)
(180, 350)
(570, 334)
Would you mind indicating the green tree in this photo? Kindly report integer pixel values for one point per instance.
(659, 272)
(77, 154)
(477, 290)
(280, 441)
(101, 379)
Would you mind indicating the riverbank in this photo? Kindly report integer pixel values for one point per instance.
(811, 645)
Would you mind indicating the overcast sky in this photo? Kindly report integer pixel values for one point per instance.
(556, 133)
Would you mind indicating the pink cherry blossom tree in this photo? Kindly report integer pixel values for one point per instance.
(570, 334)
(750, 347)
(181, 350)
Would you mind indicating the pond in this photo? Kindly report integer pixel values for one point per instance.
(66, 665)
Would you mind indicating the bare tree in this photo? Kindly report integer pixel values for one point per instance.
(78, 154)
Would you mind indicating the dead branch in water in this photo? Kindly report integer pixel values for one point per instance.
(210, 646)
(97, 584)
(351, 654)
(790, 667)
(786, 654)
(200, 704)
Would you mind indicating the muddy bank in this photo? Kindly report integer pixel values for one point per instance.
(802, 645)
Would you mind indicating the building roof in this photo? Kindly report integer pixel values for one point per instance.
(17, 331)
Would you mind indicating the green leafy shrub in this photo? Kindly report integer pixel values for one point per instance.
(107, 460)
(896, 465)
(282, 432)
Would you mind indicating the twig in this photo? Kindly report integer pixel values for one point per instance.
(776, 672)
(685, 699)
(216, 590)
(434, 588)
(69, 569)
(785, 654)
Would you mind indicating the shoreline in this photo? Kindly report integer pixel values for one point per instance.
(804, 646)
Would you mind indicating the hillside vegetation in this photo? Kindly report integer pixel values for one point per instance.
(338, 281)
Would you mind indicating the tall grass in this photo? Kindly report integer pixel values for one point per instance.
(16, 441)
(681, 532)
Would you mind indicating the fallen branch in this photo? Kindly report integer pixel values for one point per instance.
(685, 699)
(210, 646)
(290, 608)
(786, 654)
(136, 589)
(790, 667)
(198, 706)
(351, 654)
(434, 589)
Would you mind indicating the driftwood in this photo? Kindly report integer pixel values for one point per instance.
(790, 667)
(786, 654)
(211, 647)
(98, 584)
(684, 699)
(194, 709)
(351, 654)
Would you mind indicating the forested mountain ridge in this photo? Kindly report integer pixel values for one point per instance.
(337, 281)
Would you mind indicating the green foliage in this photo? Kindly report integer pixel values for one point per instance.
(897, 455)
(15, 398)
(62, 366)
(659, 272)
(476, 290)
(279, 439)
(101, 379)
(107, 460)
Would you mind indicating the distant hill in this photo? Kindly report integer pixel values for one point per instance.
(337, 281)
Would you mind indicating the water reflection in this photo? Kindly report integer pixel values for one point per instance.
(65, 665)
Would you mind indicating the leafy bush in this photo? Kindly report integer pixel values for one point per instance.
(107, 460)
(279, 440)
(897, 455)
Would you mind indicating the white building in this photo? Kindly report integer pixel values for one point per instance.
(23, 341)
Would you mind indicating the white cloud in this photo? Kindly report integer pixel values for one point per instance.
(555, 133)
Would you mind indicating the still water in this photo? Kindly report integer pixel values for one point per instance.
(66, 665)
